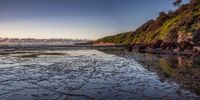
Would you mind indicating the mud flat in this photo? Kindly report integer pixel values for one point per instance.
(83, 74)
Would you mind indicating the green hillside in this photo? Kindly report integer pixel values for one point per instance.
(179, 25)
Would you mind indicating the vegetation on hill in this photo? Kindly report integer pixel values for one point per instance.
(179, 25)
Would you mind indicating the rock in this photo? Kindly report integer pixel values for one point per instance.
(186, 45)
(196, 51)
(156, 44)
(169, 45)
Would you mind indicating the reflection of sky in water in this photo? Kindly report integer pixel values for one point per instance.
(82, 74)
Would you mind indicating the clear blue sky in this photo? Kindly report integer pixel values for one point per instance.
(89, 19)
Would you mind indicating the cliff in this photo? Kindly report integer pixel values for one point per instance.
(182, 24)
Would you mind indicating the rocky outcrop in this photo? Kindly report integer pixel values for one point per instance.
(169, 45)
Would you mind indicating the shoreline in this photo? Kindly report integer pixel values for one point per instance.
(147, 49)
(188, 53)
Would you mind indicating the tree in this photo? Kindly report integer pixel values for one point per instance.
(162, 17)
(177, 3)
(194, 2)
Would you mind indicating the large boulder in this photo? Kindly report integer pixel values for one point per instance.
(186, 45)
(142, 47)
(169, 45)
(196, 36)
(156, 44)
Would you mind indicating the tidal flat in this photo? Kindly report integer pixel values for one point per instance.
(82, 74)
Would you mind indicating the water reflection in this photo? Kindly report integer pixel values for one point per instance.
(183, 70)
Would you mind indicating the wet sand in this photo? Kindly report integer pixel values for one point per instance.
(82, 74)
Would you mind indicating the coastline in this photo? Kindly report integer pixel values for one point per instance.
(158, 49)
(130, 48)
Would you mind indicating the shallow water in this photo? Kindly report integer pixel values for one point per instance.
(82, 74)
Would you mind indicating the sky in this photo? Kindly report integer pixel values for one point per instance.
(76, 19)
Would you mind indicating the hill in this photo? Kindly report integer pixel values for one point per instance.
(182, 24)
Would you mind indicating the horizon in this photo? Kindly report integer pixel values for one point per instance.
(75, 19)
(49, 38)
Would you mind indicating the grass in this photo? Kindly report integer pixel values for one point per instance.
(167, 25)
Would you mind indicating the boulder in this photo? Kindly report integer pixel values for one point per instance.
(196, 51)
(156, 44)
(186, 45)
(169, 45)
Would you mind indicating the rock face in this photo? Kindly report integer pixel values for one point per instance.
(184, 36)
